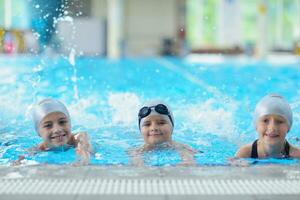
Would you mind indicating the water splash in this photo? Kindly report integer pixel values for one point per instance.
(125, 107)
(209, 117)
(72, 57)
(72, 53)
(79, 110)
(65, 18)
(215, 115)
(74, 77)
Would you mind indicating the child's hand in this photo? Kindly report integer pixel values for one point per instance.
(187, 158)
(18, 162)
(238, 162)
(186, 153)
(136, 156)
(83, 148)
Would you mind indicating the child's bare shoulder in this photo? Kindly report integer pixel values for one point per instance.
(244, 151)
(180, 146)
(185, 149)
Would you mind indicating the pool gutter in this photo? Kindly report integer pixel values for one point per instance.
(115, 182)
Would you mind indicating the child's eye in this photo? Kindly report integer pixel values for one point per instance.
(266, 120)
(146, 124)
(279, 121)
(63, 122)
(47, 126)
(162, 122)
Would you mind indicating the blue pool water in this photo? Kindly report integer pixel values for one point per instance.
(212, 104)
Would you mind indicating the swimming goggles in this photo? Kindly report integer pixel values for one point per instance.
(159, 108)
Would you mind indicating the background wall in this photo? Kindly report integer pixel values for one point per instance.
(141, 27)
(147, 23)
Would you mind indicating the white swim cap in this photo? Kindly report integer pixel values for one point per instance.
(274, 104)
(46, 107)
(155, 107)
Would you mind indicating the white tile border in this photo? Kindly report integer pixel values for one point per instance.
(151, 186)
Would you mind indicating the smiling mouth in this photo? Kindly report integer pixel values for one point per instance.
(155, 134)
(58, 136)
(272, 135)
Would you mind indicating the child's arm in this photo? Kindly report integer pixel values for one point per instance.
(136, 157)
(244, 151)
(238, 162)
(30, 152)
(186, 153)
(18, 162)
(83, 147)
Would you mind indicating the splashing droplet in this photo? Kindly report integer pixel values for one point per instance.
(72, 57)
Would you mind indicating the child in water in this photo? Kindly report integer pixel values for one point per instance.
(273, 119)
(52, 123)
(156, 124)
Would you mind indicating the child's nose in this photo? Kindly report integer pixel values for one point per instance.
(272, 125)
(154, 127)
(57, 128)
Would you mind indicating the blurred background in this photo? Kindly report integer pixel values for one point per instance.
(124, 28)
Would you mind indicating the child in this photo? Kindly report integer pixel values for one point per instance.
(52, 123)
(273, 119)
(156, 124)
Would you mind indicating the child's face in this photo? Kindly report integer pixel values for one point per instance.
(156, 129)
(55, 129)
(272, 129)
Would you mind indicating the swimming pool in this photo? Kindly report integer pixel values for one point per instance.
(212, 103)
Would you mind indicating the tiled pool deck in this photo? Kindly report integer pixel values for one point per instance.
(95, 182)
